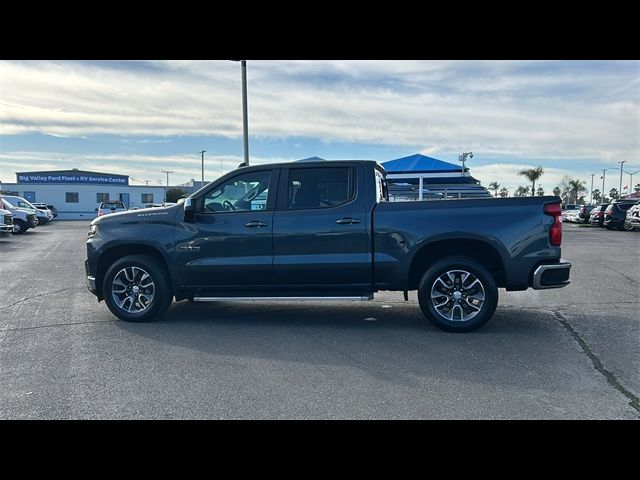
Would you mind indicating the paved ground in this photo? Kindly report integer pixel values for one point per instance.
(572, 353)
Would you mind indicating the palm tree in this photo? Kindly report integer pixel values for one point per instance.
(540, 191)
(532, 174)
(557, 191)
(577, 187)
(596, 195)
(613, 193)
(521, 191)
(494, 186)
(504, 192)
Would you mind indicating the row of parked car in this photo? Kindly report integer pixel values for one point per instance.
(17, 215)
(619, 214)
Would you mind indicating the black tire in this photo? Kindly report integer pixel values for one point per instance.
(477, 318)
(162, 294)
(627, 227)
(22, 227)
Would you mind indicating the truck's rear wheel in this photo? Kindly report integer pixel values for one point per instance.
(458, 294)
(136, 289)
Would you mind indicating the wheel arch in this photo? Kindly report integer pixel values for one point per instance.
(483, 250)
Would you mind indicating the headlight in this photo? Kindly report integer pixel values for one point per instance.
(93, 231)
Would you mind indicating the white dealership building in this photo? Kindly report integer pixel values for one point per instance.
(77, 193)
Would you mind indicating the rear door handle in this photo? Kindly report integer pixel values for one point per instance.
(255, 224)
(347, 221)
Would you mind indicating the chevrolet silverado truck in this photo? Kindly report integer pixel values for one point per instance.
(325, 230)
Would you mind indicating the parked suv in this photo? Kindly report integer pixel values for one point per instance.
(632, 220)
(110, 207)
(48, 209)
(584, 213)
(597, 214)
(616, 214)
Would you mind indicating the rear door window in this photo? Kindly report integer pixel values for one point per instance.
(323, 187)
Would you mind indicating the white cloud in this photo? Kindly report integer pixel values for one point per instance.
(184, 167)
(546, 110)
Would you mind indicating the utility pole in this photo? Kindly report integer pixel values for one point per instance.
(591, 201)
(167, 188)
(620, 189)
(604, 174)
(245, 120)
(202, 153)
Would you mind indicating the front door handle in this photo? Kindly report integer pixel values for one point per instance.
(347, 221)
(255, 224)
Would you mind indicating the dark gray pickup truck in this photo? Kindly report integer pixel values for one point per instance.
(325, 231)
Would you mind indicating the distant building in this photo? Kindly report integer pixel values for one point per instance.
(77, 193)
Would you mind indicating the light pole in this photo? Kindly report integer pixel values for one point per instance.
(463, 157)
(591, 201)
(202, 152)
(631, 179)
(245, 119)
(620, 188)
(167, 188)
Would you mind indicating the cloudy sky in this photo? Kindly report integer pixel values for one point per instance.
(138, 118)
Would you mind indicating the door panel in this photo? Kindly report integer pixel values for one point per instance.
(229, 241)
(316, 245)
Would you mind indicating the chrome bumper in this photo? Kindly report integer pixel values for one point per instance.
(91, 284)
(555, 275)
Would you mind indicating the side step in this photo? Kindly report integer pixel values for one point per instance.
(363, 298)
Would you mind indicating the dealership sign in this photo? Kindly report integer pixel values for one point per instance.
(81, 178)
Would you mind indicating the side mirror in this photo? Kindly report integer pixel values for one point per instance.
(189, 210)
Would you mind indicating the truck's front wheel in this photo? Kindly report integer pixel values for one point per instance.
(458, 294)
(136, 289)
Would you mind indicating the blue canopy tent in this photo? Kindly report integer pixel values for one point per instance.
(420, 163)
(442, 179)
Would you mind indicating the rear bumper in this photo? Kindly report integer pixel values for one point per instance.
(554, 275)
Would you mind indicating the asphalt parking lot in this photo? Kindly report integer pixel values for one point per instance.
(572, 353)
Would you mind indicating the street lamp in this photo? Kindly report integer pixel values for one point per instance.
(463, 157)
(604, 174)
(620, 188)
(591, 201)
(202, 152)
(631, 179)
(245, 120)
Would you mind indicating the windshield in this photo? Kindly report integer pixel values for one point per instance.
(7, 203)
(21, 203)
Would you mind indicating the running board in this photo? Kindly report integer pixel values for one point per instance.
(361, 298)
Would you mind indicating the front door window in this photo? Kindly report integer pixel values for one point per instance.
(243, 193)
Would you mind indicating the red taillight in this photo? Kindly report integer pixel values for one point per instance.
(555, 230)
